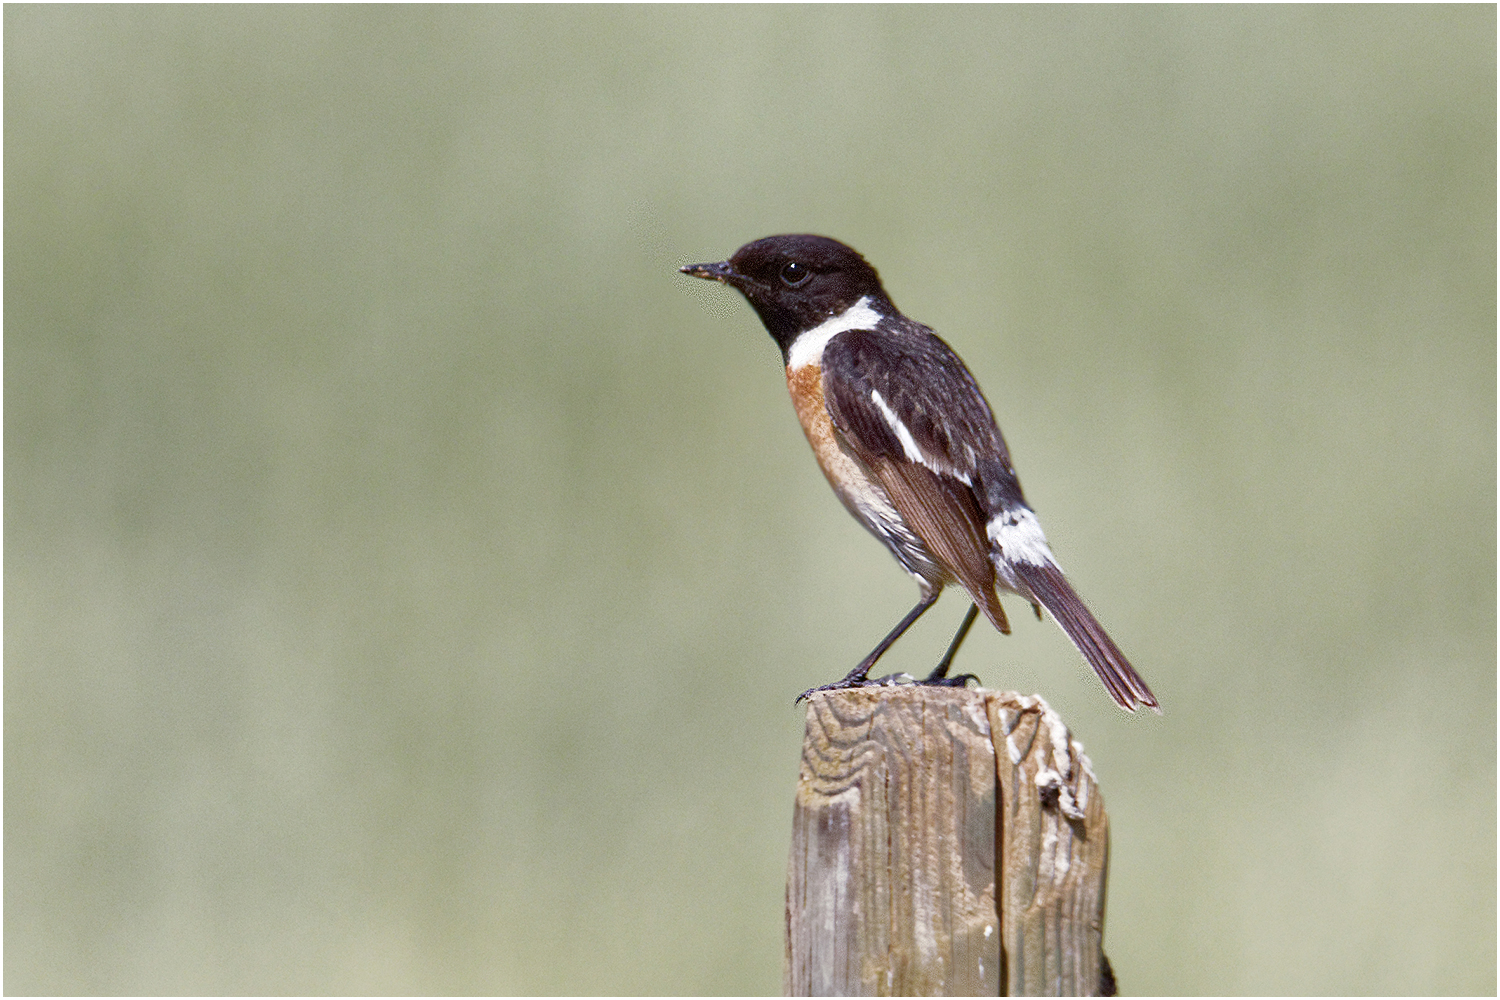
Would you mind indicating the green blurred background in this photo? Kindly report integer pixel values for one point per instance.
(408, 574)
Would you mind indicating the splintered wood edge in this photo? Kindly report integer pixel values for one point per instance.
(1055, 850)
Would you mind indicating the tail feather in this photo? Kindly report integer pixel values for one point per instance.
(1051, 588)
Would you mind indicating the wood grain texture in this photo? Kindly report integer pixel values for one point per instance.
(901, 811)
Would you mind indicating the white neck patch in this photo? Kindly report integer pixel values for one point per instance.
(807, 349)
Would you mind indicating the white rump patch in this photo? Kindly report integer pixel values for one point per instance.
(807, 349)
(1019, 535)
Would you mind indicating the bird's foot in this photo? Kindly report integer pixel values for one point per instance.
(853, 681)
(936, 679)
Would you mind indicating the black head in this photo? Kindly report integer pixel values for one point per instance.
(796, 282)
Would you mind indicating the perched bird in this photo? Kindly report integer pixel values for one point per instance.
(910, 446)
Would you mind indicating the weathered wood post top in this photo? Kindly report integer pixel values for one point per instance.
(945, 842)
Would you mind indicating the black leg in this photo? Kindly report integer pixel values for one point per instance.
(939, 676)
(856, 677)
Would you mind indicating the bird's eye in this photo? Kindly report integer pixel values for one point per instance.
(795, 274)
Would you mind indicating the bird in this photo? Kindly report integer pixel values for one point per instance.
(909, 444)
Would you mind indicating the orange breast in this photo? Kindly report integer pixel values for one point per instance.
(847, 477)
(852, 481)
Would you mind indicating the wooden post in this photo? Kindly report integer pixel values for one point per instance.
(903, 806)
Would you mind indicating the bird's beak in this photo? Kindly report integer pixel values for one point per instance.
(721, 271)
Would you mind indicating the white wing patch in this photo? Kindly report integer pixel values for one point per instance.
(909, 444)
(1019, 535)
(807, 349)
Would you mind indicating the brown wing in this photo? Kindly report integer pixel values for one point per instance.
(942, 512)
(922, 443)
